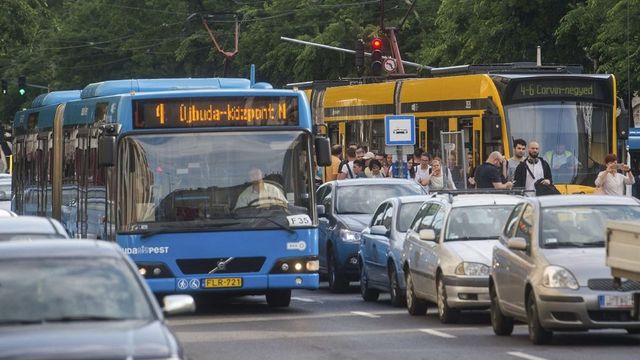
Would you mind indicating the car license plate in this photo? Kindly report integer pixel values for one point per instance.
(624, 301)
(223, 282)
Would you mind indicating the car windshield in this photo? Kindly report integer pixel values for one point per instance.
(476, 222)
(365, 198)
(581, 226)
(230, 180)
(70, 289)
(568, 134)
(407, 213)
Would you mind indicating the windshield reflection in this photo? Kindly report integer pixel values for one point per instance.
(206, 181)
(364, 199)
(573, 136)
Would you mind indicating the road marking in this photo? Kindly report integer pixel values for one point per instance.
(524, 356)
(307, 300)
(365, 314)
(438, 333)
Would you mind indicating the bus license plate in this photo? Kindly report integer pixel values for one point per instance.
(223, 283)
(624, 301)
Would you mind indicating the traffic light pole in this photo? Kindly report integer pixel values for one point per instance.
(309, 43)
(395, 50)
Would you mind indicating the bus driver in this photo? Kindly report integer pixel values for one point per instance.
(260, 193)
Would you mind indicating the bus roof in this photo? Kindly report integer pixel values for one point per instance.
(55, 98)
(115, 87)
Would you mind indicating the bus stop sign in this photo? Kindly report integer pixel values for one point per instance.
(400, 129)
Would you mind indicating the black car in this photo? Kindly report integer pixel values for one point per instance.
(80, 299)
(345, 208)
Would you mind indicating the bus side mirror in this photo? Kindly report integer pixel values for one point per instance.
(106, 151)
(323, 151)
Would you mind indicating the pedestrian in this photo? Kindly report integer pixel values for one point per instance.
(435, 180)
(345, 170)
(375, 168)
(610, 181)
(414, 162)
(534, 170)
(358, 168)
(395, 169)
(331, 172)
(422, 172)
(471, 170)
(519, 149)
(368, 156)
(488, 176)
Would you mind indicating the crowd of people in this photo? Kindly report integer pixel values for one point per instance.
(527, 169)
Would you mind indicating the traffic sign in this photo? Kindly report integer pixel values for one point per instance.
(400, 129)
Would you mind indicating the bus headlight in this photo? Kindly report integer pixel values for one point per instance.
(298, 265)
(154, 270)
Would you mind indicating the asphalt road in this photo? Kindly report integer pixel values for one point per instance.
(322, 325)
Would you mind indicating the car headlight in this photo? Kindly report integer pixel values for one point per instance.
(559, 277)
(472, 269)
(349, 236)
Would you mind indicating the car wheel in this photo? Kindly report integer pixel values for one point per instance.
(415, 306)
(279, 298)
(537, 334)
(446, 314)
(337, 282)
(502, 325)
(367, 294)
(397, 296)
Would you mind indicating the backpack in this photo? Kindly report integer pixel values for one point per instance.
(346, 163)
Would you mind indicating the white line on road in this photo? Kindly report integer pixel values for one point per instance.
(365, 314)
(438, 333)
(524, 356)
(306, 300)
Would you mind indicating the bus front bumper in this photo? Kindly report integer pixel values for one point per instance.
(254, 284)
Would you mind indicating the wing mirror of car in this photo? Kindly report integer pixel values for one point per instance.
(517, 243)
(379, 230)
(320, 210)
(427, 235)
(178, 304)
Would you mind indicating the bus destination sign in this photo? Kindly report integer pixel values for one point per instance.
(566, 88)
(216, 112)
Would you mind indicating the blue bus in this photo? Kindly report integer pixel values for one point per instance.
(206, 183)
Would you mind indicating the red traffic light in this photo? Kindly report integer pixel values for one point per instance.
(376, 44)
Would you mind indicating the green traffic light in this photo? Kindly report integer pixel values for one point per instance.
(22, 91)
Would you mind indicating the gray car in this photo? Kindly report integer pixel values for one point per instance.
(549, 268)
(30, 227)
(80, 299)
(447, 252)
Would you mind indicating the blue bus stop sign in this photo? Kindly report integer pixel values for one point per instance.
(400, 130)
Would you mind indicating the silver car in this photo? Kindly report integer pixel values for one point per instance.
(447, 252)
(549, 268)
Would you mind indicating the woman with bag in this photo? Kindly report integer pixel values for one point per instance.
(610, 181)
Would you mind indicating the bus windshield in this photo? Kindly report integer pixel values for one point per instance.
(213, 180)
(573, 136)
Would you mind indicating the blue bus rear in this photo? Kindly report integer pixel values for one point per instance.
(206, 183)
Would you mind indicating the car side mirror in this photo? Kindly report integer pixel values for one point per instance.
(379, 230)
(320, 210)
(178, 304)
(427, 235)
(517, 243)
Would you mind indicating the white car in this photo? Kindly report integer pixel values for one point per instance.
(447, 252)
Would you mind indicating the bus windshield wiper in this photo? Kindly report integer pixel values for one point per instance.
(192, 226)
(269, 219)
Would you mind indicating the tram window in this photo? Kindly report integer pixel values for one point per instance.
(434, 127)
(491, 134)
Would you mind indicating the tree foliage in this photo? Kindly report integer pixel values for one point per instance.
(67, 44)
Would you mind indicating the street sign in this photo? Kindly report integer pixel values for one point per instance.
(390, 65)
(400, 129)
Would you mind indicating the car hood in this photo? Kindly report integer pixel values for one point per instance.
(584, 264)
(355, 222)
(479, 251)
(87, 340)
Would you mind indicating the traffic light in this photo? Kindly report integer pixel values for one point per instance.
(376, 56)
(22, 84)
(5, 86)
(359, 53)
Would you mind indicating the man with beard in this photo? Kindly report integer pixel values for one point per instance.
(519, 149)
(532, 170)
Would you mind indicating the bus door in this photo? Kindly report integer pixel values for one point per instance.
(42, 173)
(436, 125)
(491, 135)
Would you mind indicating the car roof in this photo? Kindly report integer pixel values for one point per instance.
(58, 248)
(467, 200)
(372, 181)
(30, 225)
(413, 198)
(589, 200)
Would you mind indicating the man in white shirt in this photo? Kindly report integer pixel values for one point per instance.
(531, 170)
(422, 172)
(260, 193)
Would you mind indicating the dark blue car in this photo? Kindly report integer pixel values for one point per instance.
(345, 209)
